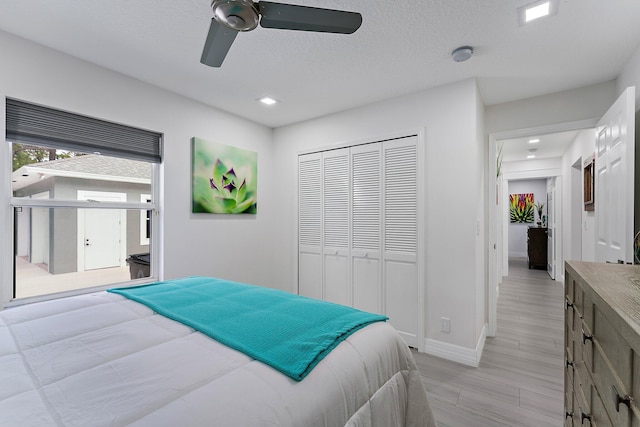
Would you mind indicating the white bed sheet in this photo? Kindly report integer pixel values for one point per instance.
(103, 360)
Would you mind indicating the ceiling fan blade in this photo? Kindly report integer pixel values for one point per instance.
(304, 18)
(218, 43)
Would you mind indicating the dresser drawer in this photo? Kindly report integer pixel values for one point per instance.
(599, 415)
(635, 405)
(578, 297)
(568, 389)
(615, 349)
(569, 284)
(582, 385)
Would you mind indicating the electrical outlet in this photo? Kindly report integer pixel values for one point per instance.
(445, 325)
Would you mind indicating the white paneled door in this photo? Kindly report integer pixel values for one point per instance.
(614, 184)
(358, 229)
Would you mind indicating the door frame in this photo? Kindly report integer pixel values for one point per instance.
(496, 270)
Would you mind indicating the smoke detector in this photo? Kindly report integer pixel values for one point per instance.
(461, 54)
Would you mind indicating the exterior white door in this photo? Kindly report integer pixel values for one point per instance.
(614, 183)
(101, 238)
(101, 232)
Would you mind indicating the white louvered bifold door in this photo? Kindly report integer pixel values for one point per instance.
(366, 227)
(400, 231)
(336, 212)
(310, 225)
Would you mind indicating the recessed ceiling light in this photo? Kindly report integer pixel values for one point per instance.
(537, 10)
(534, 140)
(531, 156)
(267, 100)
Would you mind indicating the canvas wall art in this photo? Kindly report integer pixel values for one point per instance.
(521, 208)
(224, 178)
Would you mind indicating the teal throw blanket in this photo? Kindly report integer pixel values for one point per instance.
(287, 332)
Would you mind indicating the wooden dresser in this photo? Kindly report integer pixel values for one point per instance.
(537, 247)
(602, 344)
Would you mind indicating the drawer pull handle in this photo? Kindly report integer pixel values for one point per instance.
(568, 415)
(584, 416)
(569, 363)
(569, 304)
(617, 399)
(586, 337)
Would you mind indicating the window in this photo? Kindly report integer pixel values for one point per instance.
(84, 201)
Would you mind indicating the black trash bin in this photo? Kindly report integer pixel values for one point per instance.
(139, 265)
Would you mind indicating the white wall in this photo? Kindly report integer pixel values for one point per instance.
(234, 247)
(518, 231)
(630, 76)
(572, 105)
(455, 162)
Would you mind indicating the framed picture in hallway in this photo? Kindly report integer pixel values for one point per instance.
(521, 208)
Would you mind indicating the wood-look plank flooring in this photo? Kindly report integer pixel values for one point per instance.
(520, 379)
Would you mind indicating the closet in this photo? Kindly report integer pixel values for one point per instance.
(358, 230)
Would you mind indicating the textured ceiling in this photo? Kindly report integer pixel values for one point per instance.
(401, 47)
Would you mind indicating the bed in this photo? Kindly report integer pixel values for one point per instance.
(104, 359)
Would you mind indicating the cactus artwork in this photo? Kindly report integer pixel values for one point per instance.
(521, 208)
(224, 178)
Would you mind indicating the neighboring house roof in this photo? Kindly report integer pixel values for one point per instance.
(90, 166)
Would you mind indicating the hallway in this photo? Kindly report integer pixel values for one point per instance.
(520, 379)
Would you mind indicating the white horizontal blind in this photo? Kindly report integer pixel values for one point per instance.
(336, 200)
(366, 200)
(400, 198)
(310, 201)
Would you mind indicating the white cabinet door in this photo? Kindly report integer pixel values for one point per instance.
(366, 227)
(336, 209)
(614, 186)
(310, 226)
(400, 243)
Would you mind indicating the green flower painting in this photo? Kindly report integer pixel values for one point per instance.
(521, 207)
(225, 178)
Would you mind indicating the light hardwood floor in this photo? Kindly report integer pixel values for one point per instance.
(520, 378)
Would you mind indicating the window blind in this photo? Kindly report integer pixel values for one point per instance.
(47, 127)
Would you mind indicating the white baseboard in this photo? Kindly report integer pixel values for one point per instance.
(466, 356)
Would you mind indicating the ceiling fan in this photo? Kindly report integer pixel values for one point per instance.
(233, 16)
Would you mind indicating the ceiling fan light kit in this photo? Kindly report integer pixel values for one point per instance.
(239, 15)
(233, 16)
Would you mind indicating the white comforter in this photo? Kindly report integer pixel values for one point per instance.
(103, 360)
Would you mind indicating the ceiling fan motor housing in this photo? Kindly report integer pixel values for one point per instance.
(239, 15)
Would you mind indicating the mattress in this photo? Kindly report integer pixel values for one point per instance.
(103, 360)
